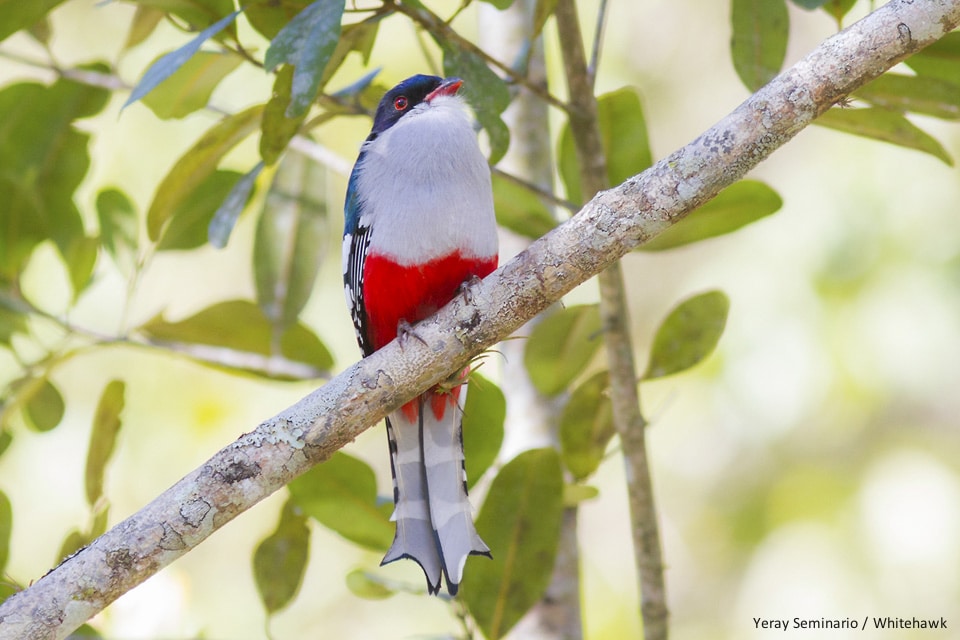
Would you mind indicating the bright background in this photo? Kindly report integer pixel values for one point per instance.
(810, 468)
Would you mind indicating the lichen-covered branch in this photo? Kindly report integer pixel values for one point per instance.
(610, 225)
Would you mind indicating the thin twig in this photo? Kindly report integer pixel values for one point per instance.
(614, 314)
(597, 44)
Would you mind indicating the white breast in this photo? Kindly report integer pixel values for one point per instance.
(426, 187)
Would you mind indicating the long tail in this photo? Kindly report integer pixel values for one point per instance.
(434, 524)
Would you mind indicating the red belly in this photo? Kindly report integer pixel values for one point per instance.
(393, 292)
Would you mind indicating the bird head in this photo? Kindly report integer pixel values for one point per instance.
(410, 94)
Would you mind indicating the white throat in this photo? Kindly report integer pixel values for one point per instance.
(426, 187)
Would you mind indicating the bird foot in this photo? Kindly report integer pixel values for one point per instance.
(405, 330)
(467, 287)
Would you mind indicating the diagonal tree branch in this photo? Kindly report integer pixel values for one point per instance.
(611, 224)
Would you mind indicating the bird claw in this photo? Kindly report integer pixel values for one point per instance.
(405, 330)
(467, 286)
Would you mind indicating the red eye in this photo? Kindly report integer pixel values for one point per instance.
(400, 103)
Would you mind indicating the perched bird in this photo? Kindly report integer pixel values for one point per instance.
(419, 223)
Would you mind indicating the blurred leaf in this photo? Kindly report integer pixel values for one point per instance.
(561, 346)
(85, 632)
(500, 4)
(919, 94)
(73, 542)
(144, 22)
(44, 405)
(44, 159)
(483, 415)
(736, 206)
(520, 521)
(269, 16)
(368, 586)
(172, 62)
(586, 426)
(189, 88)
(42, 30)
(625, 142)
(277, 129)
(359, 37)
(226, 216)
(6, 527)
(17, 14)
(197, 13)
(809, 4)
(290, 242)
(103, 437)
(307, 42)
(11, 322)
(196, 165)
(759, 43)
(239, 325)
(939, 60)
(838, 9)
(80, 258)
(886, 126)
(520, 210)
(5, 437)
(486, 92)
(119, 233)
(574, 494)
(190, 220)
(688, 334)
(341, 494)
(543, 10)
(280, 559)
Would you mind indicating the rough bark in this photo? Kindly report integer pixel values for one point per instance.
(611, 224)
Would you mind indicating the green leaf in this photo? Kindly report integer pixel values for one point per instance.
(290, 242)
(886, 126)
(838, 9)
(85, 632)
(486, 92)
(80, 257)
(270, 16)
(307, 42)
(586, 426)
(809, 4)
(688, 334)
(341, 494)
(280, 559)
(172, 62)
(196, 165)
(44, 159)
(520, 521)
(625, 141)
(368, 586)
(736, 206)
(119, 233)
(5, 438)
(103, 437)
(197, 13)
(277, 129)
(11, 321)
(6, 528)
(483, 416)
(574, 494)
(520, 210)
(44, 405)
(73, 542)
(759, 43)
(190, 221)
(561, 346)
(939, 60)
(189, 88)
(226, 216)
(240, 326)
(500, 4)
(17, 14)
(144, 22)
(919, 94)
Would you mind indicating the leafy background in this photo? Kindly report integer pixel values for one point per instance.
(811, 466)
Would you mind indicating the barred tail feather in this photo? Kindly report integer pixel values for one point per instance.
(434, 522)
